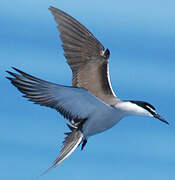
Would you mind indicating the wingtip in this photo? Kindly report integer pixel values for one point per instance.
(17, 70)
(13, 74)
(10, 73)
(55, 10)
(9, 78)
(14, 68)
(51, 8)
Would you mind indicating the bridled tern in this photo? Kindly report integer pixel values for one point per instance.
(90, 105)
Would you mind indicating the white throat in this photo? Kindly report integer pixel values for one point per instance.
(129, 108)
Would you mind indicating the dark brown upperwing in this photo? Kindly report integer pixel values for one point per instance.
(86, 57)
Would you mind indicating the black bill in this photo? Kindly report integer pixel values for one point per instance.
(160, 118)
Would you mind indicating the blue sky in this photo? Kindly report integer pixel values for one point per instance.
(140, 36)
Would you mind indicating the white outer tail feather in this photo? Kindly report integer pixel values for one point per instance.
(70, 144)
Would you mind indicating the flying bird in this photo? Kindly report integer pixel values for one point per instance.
(90, 105)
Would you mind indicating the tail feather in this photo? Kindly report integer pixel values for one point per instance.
(72, 140)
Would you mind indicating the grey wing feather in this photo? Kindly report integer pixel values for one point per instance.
(86, 57)
(78, 42)
(70, 143)
(66, 100)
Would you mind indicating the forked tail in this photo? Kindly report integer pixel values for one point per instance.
(72, 140)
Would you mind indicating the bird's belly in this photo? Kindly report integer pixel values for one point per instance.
(100, 122)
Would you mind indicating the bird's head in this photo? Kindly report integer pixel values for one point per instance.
(149, 110)
(139, 108)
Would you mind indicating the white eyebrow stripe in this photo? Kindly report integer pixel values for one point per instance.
(150, 108)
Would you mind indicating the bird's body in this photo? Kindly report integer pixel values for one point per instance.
(104, 118)
(90, 105)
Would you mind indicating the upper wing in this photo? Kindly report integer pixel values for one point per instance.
(86, 57)
(75, 104)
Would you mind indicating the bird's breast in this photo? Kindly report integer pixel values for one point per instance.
(101, 121)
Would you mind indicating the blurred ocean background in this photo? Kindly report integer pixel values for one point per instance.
(141, 39)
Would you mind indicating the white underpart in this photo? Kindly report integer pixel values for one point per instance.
(132, 109)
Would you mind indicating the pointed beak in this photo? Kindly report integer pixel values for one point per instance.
(160, 118)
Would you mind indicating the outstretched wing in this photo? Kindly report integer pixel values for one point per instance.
(86, 56)
(75, 104)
